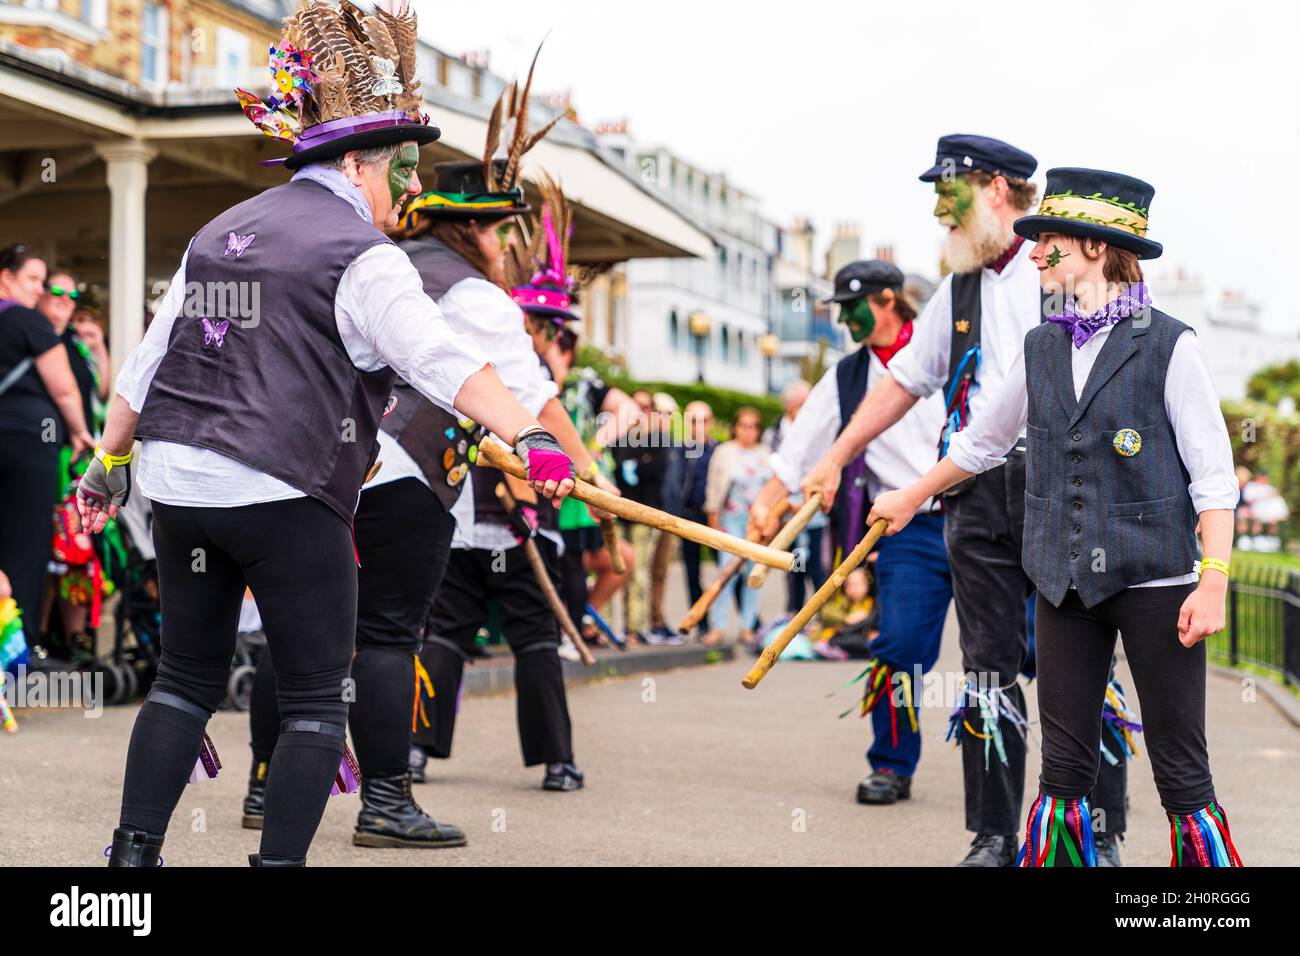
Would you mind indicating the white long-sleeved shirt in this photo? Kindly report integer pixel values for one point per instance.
(896, 459)
(1010, 305)
(486, 313)
(384, 318)
(1191, 404)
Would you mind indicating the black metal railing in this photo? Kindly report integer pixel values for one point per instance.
(1263, 627)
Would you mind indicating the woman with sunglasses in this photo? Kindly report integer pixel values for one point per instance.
(40, 411)
(58, 303)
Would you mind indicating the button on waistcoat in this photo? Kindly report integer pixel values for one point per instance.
(254, 367)
(1106, 502)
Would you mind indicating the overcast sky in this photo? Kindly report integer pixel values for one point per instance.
(831, 109)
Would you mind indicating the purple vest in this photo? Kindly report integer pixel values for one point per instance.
(255, 368)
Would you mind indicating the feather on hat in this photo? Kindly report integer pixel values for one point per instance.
(537, 262)
(344, 80)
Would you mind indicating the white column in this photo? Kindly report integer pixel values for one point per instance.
(127, 164)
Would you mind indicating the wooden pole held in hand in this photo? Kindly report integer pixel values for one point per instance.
(544, 581)
(493, 455)
(728, 571)
(773, 651)
(609, 532)
(787, 535)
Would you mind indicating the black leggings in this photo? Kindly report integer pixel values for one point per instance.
(1075, 645)
(297, 557)
(475, 576)
(403, 535)
(28, 490)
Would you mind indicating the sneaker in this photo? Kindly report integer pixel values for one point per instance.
(568, 650)
(665, 636)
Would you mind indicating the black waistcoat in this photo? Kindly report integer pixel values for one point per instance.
(255, 368)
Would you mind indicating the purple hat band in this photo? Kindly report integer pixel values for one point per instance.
(527, 296)
(323, 133)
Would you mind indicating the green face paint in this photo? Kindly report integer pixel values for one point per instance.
(401, 170)
(1055, 256)
(858, 318)
(956, 199)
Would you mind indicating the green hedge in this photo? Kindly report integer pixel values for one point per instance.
(1263, 438)
(725, 402)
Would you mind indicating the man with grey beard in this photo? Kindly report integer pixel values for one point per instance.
(968, 338)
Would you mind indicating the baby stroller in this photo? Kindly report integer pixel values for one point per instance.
(128, 558)
(250, 642)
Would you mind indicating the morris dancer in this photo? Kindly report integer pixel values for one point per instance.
(1127, 454)
(912, 571)
(258, 430)
(454, 240)
(970, 335)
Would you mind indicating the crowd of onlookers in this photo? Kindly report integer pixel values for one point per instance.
(1260, 511)
(54, 383)
(672, 460)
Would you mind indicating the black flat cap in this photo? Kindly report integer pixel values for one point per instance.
(865, 276)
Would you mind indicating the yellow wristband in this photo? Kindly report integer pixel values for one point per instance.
(110, 461)
(592, 471)
(1214, 564)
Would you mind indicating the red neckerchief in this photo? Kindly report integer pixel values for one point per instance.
(886, 352)
(1004, 260)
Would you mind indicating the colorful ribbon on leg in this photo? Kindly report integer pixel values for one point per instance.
(1059, 830)
(1202, 839)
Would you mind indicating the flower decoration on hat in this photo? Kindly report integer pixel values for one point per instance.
(341, 79)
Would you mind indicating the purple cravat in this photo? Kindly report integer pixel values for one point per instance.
(1083, 327)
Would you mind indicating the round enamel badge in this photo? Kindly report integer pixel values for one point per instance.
(1127, 442)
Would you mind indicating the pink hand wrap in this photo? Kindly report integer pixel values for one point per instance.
(546, 465)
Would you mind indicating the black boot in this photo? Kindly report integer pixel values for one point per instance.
(562, 776)
(417, 761)
(135, 848)
(255, 859)
(255, 800)
(884, 787)
(991, 849)
(390, 817)
(1107, 849)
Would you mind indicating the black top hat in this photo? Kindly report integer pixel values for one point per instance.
(460, 192)
(1094, 204)
(864, 277)
(959, 153)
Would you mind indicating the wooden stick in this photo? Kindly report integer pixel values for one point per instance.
(701, 607)
(773, 651)
(609, 531)
(544, 582)
(787, 535)
(492, 455)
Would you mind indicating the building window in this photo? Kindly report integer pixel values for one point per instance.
(742, 357)
(153, 45)
(95, 13)
(726, 344)
(232, 57)
(674, 330)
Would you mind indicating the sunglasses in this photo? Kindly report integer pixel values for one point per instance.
(58, 291)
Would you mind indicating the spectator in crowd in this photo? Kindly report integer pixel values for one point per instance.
(602, 414)
(737, 472)
(1266, 509)
(40, 410)
(697, 452)
(642, 466)
(89, 326)
(664, 415)
(58, 303)
(792, 398)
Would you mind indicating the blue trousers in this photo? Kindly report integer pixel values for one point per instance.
(914, 588)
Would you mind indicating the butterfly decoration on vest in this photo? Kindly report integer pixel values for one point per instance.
(214, 333)
(237, 245)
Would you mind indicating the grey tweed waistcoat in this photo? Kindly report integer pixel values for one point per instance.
(1106, 500)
